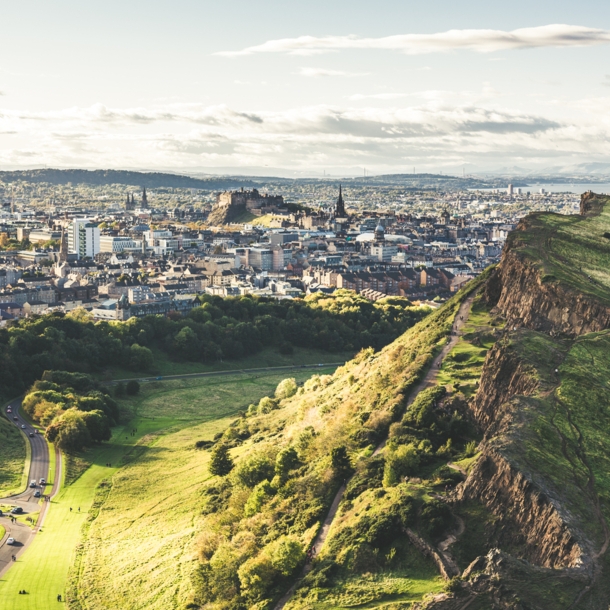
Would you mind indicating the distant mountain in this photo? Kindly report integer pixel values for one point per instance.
(111, 176)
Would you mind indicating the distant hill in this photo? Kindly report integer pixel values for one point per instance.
(111, 176)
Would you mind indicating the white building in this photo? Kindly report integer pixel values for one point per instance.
(109, 243)
(83, 238)
(383, 252)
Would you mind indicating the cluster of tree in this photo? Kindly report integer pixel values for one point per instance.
(228, 328)
(75, 410)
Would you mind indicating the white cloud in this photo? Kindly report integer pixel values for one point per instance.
(483, 41)
(316, 72)
(437, 126)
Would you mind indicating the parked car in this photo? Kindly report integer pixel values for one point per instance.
(17, 510)
(10, 540)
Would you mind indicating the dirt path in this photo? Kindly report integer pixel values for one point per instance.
(460, 319)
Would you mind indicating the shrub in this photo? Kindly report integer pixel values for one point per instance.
(340, 462)
(400, 463)
(286, 388)
(286, 460)
(253, 470)
(266, 405)
(286, 555)
(260, 494)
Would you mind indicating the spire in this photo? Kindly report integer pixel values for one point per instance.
(63, 248)
(144, 198)
(340, 207)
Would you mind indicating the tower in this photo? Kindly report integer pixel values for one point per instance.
(144, 198)
(340, 207)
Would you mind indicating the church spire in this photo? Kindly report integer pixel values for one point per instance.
(340, 207)
(144, 198)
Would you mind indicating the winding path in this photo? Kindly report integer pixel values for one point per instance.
(429, 380)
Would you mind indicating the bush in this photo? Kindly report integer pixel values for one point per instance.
(286, 555)
(132, 387)
(286, 388)
(266, 405)
(260, 494)
(400, 463)
(221, 462)
(254, 470)
(340, 462)
(287, 459)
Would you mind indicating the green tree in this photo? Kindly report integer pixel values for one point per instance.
(132, 387)
(340, 462)
(286, 460)
(253, 470)
(221, 462)
(260, 494)
(140, 358)
(69, 431)
(98, 425)
(286, 555)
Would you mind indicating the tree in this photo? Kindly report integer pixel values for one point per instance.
(69, 431)
(132, 387)
(98, 425)
(221, 462)
(140, 358)
(253, 470)
(260, 494)
(340, 462)
(286, 460)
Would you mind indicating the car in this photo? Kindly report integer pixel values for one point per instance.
(37, 431)
(37, 494)
(10, 540)
(33, 483)
(23, 426)
(17, 510)
(158, 378)
(9, 410)
(32, 434)
(15, 418)
(43, 481)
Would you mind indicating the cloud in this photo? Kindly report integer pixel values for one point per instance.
(606, 81)
(429, 127)
(316, 72)
(482, 41)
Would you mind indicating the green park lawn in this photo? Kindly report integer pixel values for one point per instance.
(13, 455)
(140, 514)
(269, 357)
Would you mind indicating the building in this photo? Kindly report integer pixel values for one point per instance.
(261, 258)
(251, 200)
(109, 243)
(83, 238)
(340, 206)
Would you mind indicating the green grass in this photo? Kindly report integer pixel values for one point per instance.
(568, 249)
(153, 501)
(462, 367)
(266, 358)
(12, 458)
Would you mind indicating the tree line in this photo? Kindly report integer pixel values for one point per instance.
(218, 329)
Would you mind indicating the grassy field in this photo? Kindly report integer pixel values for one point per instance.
(149, 498)
(266, 358)
(12, 458)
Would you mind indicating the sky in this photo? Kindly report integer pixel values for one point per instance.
(306, 87)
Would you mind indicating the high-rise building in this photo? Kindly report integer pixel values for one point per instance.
(510, 190)
(83, 238)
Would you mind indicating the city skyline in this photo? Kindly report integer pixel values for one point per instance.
(204, 88)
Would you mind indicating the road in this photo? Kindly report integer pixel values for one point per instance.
(39, 468)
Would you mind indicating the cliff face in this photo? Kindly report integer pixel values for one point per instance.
(517, 292)
(533, 521)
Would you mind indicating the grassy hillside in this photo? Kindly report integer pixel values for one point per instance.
(12, 457)
(571, 250)
(149, 510)
(291, 457)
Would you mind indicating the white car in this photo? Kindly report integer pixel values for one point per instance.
(10, 540)
(23, 426)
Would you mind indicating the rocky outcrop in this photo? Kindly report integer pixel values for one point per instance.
(590, 204)
(518, 293)
(504, 376)
(533, 520)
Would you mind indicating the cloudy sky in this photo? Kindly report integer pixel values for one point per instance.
(305, 86)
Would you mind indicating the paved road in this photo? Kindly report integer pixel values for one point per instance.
(289, 367)
(39, 468)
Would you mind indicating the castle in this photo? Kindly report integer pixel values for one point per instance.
(252, 200)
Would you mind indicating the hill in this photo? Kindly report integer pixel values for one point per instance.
(111, 176)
